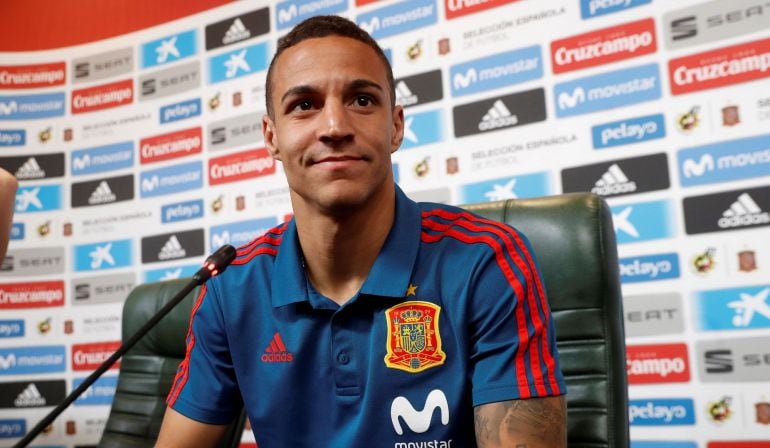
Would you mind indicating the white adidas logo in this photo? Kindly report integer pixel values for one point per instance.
(614, 181)
(743, 212)
(30, 170)
(404, 95)
(102, 194)
(29, 397)
(236, 32)
(498, 116)
(172, 249)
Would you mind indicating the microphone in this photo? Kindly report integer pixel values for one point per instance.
(214, 265)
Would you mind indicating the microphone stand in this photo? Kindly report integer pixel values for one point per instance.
(213, 265)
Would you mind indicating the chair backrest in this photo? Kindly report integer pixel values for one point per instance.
(148, 369)
(574, 241)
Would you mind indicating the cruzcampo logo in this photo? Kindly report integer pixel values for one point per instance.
(414, 342)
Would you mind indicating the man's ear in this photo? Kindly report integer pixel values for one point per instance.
(270, 136)
(398, 128)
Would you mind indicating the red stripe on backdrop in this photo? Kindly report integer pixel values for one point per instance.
(33, 25)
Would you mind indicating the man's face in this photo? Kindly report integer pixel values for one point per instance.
(333, 126)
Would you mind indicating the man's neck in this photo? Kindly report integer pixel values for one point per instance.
(339, 250)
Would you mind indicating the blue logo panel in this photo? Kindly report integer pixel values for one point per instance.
(422, 129)
(169, 49)
(395, 19)
(524, 186)
(169, 273)
(182, 211)
(30, 107)
(607, 90)
(242, 62)
(27, 360)
(103, 158)
(17, 231)
(663, 444)
(291, 12)
(13, 137)
(733, 308)
(595, 8)
(100, 393)
(649, 268)
(180, 111)
(630, 131)
(39, 198)
(12, 428)
(643, 221)
(740, 159)
(12, 328)
(171, 179)
(661, 412)
(239, 233)
(104, 255)
(499, 70)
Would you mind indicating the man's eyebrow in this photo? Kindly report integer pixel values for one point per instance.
(299, 90)
(356, 84)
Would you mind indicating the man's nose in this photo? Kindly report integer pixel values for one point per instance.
(335, 123)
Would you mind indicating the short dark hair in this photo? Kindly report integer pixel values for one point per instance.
(324, 26)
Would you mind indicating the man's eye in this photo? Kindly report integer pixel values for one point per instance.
(363, 101)
(303, 105)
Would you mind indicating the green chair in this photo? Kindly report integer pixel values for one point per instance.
(148, 369)
(574, 241)
(573, 238)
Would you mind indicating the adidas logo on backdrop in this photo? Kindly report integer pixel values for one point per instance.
(613, 181)
(743, 212)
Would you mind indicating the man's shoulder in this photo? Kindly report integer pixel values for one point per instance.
(263, 248)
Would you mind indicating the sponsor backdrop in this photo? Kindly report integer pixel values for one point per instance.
(139, 154)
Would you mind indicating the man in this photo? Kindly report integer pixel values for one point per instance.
(8, 186)
(368, 320)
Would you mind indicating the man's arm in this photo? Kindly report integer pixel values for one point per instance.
(8, 185)
(532, 423)
(180, 431)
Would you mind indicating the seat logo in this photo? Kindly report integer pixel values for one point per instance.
(418, 421)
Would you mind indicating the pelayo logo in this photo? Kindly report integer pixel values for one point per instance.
(595, 8)
(661, 412)
(182, 211)
(628, 131)
(180, 111)
(13, 137)
(649, 268)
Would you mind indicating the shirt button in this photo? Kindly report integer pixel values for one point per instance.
(343, 358)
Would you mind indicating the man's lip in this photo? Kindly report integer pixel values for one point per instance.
(338, 159)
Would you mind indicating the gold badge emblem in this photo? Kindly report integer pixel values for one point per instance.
(414, 342)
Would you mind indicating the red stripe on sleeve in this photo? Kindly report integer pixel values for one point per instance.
(182, 374)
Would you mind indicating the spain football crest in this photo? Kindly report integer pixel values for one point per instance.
(414, 342)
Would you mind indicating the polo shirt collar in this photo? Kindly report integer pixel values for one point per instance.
(388, 277)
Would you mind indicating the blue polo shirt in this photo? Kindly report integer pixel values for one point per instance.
(452, 315)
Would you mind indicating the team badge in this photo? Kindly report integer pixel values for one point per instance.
(414, 342)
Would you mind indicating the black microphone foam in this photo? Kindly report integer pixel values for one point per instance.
(216, 263)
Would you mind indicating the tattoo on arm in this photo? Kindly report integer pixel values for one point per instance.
(532, 423)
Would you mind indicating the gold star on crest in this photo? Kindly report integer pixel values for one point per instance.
(411, 290)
